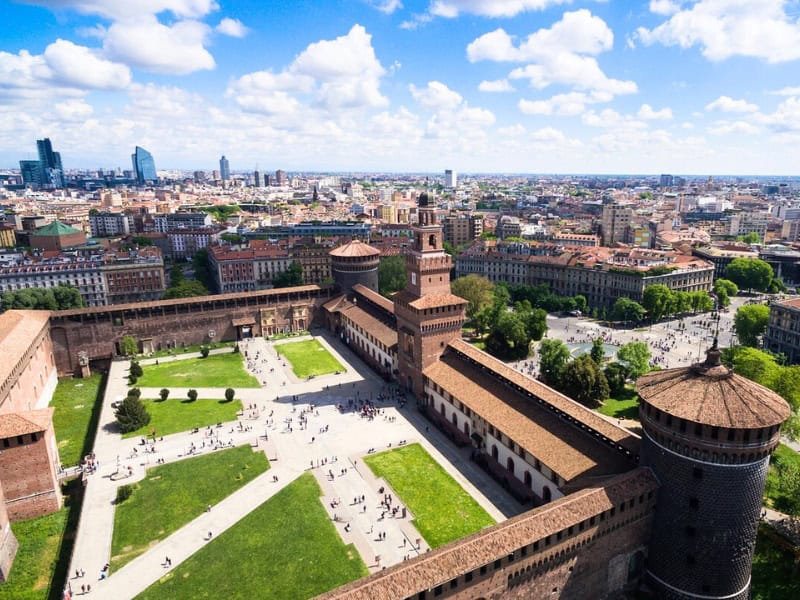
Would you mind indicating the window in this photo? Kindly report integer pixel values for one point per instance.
(497, 563)
(483, 570)
(437, 591)
(468, 576)
(453, 584)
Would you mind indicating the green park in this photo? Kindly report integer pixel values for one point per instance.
(214, 371)
(308, 358)
(180, 414)
(442, 510)
(286, 548)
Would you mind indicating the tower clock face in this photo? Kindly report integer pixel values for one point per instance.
(413, 279)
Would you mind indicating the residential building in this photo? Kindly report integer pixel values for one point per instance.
(745, 223)
(247, 269)
(107, 224)
(450, 179)
(144, 167)
(181, 220)
(783, 329)
(462, 228)
(721, 256)
(387, 213)
(615, 221)
(280, 178)
(508, 227)
(184, 243)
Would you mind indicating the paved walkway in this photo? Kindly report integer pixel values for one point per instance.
(328, 436)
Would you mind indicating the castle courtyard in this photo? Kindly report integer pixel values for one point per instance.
(323, 426)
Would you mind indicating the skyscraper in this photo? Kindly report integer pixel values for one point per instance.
(258, 181)
(450, 179)
(49, 163)
(224, 168)
(144, 167)
(280, 177)
(31, 172)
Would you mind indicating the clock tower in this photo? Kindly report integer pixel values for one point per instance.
(428, 315)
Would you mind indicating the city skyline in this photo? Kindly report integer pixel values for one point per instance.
(478, 86)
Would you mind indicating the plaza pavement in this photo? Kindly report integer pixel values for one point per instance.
(348, 438)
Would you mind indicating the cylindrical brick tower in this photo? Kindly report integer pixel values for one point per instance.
(355, 262)
(707, 435)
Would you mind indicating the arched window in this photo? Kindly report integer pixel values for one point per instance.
(466, 428)
(510, 464)
(528, 480)
(546, 495)
(432, 240)
(494, 452)
(454, 418)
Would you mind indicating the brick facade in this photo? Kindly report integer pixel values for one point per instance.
(8, 541)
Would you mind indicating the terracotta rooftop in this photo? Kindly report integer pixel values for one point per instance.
(563, 403)
(179, 301)
(18, 328)
(32, 421)
(434, 300)
(791, 303)
(561, 446)
(374, 297)
(440, 566)
(711, 394)
(377, 329)
(354, 249)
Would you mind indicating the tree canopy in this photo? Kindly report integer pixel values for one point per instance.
(583, 380)
(627, 310)
(636, 356)
(725, 289)
(291, 277)
(128, 345)
(476, 290)
(750, 323)
(60, 297)
(391, 275)
(187, 288)
(598, 351)
(131, 414)
(553, 357)
(660, 301)
(750, 273)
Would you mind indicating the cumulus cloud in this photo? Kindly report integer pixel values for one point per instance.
(436, 96)
(343, 73)
(725, 28)
(232, 27)
(648, 113)
(730, 105)
(787, 91)
(563, 105)
(387, 6)
(121, 9)
(73, 110)
(451, 114)
(489, 8)
(664, 7)
(496, 86)
(733, 128)
(562, 54)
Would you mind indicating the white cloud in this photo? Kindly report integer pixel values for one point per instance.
(488, 8)
(558, 55)
(726, 28)
(73, 110)
(787, 91)
(664, 7)
(496, 86)
(436, 96)
(82, 67)
(733, 127)
(785, 119)
(548, 134)
(148, 44)
(232, 27)
(648, 113)
(729, 105)
(611, 119)
(564, 105)
(122, 9)
(387, 6)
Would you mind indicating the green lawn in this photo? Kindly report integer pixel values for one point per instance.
(178, 414)
(174, 494)
(775, 576)
(287, 548)
(77, 403)
(215, 371)
(187, 349)
(308, 358)
(626, 406)
(45, 547)
(444, 511)
(780, 493)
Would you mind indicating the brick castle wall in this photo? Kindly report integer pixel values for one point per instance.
(28, 474)
(8, 542)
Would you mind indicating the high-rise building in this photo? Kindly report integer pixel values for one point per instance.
(450, 179)
(31, 172)
(50, 163)
(224, 168)
(280, 178)
(616, 219)
(258, 180)
(144, 167)
(667, 181)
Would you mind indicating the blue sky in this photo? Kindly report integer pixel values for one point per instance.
(536, 86)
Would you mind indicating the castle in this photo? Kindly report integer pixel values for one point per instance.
(673, 512)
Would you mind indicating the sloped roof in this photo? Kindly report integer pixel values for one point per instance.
(18, 328)
(354, 249)
(32, 421)
(56, 228)
(711, 394)
(374, 297)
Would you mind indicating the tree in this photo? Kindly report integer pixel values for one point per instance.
(535, 323)
(229, 394)
(476, 290)
(627, 310)
(60, 297)
(164, 394)
(616, 375)
(598, 351)
(140, 241)
(581, 303)
(391, 275)
(291, 277)
(192, 395)
(135, 392)
(232, 238)
(202, 271)
(725, 289)
(128, 346)
(750, 238)
(657, 300)
(553, 357)
(136, 369)
(131, 414)
(176, 275)
(584, 381)
(186, 289)
(636, 356)
(750, 323)
(67, 297)
(750, 273)
(204, 351)
(509, 337)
